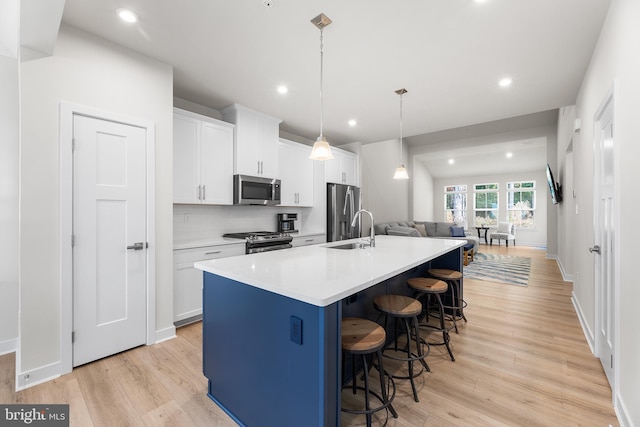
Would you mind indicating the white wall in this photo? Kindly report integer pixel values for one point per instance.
(385, 197)
(525, 237)
(422, 198)
(9, 161)
(563, 172)
(87, 71)
(615, 60)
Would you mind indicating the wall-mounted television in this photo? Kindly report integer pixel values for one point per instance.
(554, 188)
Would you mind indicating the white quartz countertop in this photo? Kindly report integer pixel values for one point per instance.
(319, 275)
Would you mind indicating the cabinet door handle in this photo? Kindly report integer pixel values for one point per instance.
(213, 252)
(198, 193)
(204, 192)
(136, 246)
(309, 240)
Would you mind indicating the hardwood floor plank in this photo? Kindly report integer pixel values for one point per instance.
(104, 395)
(521, 360)
(137, 382)
(170, 414)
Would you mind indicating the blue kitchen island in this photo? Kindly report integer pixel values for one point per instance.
(271, 322)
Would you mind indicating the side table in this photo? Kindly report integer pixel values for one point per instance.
(485, 229)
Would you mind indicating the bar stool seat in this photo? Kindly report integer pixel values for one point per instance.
(467, 253)
(406, 309)
(425, 288)
(364, 337)
(453, 278)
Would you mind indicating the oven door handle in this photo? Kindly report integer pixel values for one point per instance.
(256, 250)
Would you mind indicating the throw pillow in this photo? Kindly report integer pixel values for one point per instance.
(421, 229)
(504, 227)
(457, 231)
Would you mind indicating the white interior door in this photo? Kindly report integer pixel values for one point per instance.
(109, 234)
(605, 234)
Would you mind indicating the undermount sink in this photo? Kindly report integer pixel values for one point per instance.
(348, 246)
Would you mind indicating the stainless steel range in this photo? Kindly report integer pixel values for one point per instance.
(263, 241)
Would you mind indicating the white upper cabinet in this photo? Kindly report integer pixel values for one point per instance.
(343, 168)
(296, 174)
(202, 159)
(256, 141)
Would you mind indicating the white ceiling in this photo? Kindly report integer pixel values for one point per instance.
(448, 54)
(526, 155)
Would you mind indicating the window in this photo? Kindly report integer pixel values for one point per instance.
(485, 204)
(455, 204)
(521, 203)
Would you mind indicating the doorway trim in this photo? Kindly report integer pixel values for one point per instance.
(609, 100)
(67, 111)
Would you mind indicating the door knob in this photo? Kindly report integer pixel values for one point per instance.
(136, 246)
(595, 249)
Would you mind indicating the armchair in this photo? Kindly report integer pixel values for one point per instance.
(506, 231)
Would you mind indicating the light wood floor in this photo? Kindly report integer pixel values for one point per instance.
(521, 360)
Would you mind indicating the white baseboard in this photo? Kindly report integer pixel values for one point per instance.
(566, 277)
(8, 346)
(585, 327)
(622, 413)
(37, 376)
(165, 334)
(46, 373)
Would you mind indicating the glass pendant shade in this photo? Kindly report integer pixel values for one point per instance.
(321, 150)
(401, 173)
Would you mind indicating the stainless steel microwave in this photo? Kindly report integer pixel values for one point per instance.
(255, 190)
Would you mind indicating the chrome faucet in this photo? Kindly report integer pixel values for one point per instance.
(372, 237)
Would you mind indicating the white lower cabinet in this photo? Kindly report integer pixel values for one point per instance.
(311, 239)
(187, 280)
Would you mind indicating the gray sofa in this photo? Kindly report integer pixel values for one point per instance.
(437, 230)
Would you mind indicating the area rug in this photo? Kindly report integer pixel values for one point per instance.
(499, 268)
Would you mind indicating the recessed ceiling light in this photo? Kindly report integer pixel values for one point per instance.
(127, 15)
(505, 82)
(352, 122)
(283, 89)
(480, 1)
(451, 161)
(509, 155)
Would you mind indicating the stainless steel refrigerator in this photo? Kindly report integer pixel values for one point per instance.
(343, 201)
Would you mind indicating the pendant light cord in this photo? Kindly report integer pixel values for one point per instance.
(321, 99)
(401, 156)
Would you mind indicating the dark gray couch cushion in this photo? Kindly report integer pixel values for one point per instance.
(443, 229)
(403, 231)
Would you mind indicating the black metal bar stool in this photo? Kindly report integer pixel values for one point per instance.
(407, 309)
(453, 278)
(365, 338)
(425, 288)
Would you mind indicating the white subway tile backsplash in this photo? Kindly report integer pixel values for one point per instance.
(204, 222)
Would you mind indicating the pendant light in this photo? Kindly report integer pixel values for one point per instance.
(321, 149)
(401, 171)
